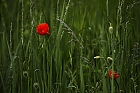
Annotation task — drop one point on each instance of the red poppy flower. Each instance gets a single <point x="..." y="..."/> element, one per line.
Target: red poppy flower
<point x="42" y="29"/>
<point x="116" y="75"/>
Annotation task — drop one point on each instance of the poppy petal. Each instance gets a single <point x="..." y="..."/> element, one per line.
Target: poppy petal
<point x="42" y="29"/>
<point x="116" y="75"/>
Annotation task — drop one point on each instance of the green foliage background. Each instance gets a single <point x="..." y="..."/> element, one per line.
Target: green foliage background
<point x="65" y="61"/>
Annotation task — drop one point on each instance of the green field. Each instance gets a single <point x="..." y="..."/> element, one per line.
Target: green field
<point x="87" y="39"/>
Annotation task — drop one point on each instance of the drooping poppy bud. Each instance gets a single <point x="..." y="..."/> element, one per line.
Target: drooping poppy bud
<point x="116" y="75"/>
<point x="42" y="29"/>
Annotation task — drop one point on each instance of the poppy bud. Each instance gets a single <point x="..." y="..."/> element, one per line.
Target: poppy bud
<point x="109" y="58"/>
<point x="42" y="29"/>
<point x="25" y="74"/>
<point x="36" y="85"/>
<point x="110" y="29"/>
<point x="97" y="57"/>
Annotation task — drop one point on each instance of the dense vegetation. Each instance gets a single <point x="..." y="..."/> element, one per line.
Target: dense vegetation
<point x="87" y="38"/>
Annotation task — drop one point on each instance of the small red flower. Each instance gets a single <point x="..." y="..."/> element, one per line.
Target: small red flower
<point x="116" y="75"/>
<point x="42" y="29"/>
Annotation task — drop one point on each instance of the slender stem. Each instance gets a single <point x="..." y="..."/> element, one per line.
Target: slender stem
<point x="117" y="84"/>
<point x="112" y="81"/>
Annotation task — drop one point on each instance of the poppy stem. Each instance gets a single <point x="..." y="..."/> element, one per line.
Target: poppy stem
<point x="117" y="84"/>
<point x="113" y="56"/>
<point x="110" y="85"/>
<point x="44" y="15"/>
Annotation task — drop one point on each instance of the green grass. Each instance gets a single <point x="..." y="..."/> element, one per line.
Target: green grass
<point x="64" y="61"/>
